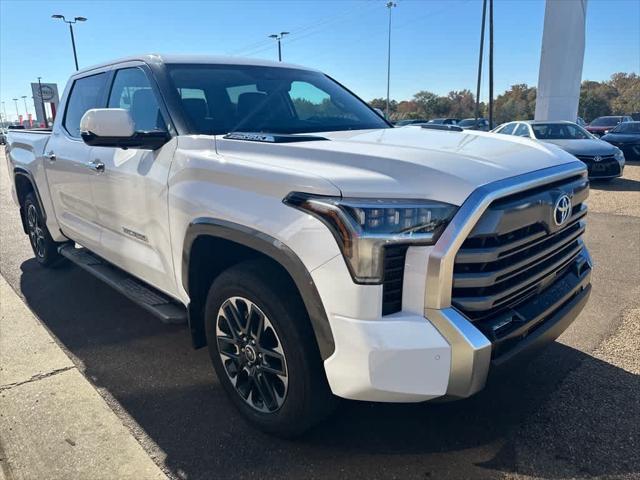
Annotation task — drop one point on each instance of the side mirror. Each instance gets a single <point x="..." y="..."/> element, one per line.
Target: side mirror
<point x="114" y="127"/>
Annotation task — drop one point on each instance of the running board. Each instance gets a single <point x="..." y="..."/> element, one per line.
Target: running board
<point x="156" y="302"/>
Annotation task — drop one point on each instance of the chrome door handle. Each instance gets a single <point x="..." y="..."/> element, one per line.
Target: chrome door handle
<point x="96" y="166"/>
<point x="51" y="156"/>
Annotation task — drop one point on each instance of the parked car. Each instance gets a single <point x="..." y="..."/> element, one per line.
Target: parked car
<point x="602" y="125"/>
<point x="626" y="136"/>
<point x="3" y="136"/>
<point x="410" y="121"/>
<point x="444" y="121"/>
<point x="314" y="249"/>
<point x="603" y="160"/>
<point x="481" y="124"/>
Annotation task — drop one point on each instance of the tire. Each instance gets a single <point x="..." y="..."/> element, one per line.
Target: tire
<point x="43" y="246"/>
<point x="263" y="300"/>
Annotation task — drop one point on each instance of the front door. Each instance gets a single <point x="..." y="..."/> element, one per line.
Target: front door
<point x="130" y="193"/>
<point x="67" y="165"/>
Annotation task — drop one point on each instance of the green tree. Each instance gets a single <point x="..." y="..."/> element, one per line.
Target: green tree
<point x="627" y="97"/>
<point x="517" y="103"/>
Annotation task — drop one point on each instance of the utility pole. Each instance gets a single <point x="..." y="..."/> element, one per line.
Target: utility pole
<point x="279" y="37"/>
<point x="73" y="40"/>
<point x="491" y="64"/>
<point x="389" y="5"/>
<point x="484" y="14"/>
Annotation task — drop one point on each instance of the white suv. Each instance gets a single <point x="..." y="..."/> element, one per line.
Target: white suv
<point x="316" y="250"/>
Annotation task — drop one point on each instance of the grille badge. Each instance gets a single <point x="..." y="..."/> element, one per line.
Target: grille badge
<point x="562" y="210"/>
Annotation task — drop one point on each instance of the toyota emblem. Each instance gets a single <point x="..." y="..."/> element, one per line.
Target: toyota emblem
<point x="597" y="158"/>
<point x="562" y="210"/>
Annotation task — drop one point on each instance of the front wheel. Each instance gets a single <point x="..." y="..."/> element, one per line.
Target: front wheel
<point x="263" y="349"/>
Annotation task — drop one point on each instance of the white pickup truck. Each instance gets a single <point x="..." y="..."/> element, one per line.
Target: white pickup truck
<point x="316" y="250"/>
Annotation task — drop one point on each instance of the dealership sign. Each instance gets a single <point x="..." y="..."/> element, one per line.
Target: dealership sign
<point x="49" y="95"/>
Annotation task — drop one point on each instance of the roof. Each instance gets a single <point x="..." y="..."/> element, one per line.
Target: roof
<point x="200" y="59"/>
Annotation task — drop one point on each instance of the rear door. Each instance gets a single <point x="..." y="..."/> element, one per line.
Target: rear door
<point x="67" y="163"/>
<point x="131" y="193"/>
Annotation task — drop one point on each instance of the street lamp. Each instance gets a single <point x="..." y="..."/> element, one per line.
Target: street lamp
<point x="278" y="37"/>
<point x="26" y="109"/>
<point x="389" y="5"/>
<point x="17" y="112"/>
<point x="73" y="41"/>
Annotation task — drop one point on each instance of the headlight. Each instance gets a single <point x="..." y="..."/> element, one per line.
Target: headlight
<point x="363" y="227"/>
<point x="619" y="156"/>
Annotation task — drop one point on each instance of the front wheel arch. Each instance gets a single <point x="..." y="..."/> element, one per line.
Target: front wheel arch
<point x="200" y="266"/>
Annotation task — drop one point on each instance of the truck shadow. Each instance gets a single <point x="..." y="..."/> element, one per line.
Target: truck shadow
<point x="171" y="392"/>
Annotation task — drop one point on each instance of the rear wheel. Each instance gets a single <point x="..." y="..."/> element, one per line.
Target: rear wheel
<point x="263" y="349"/>
<point x="43" y="246"/>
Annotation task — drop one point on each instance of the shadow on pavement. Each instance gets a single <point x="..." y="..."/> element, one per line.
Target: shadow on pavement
<point x="171" y="392"/>
<point x="620" y="184"/>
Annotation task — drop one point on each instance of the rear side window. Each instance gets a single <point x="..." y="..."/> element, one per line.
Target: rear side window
<point x="507" y="129"/>
<point x="522" y="131"/>
<point x="86" y="93"/>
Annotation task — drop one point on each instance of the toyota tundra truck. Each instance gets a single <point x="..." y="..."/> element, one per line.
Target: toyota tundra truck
<point x="315" y="250"/>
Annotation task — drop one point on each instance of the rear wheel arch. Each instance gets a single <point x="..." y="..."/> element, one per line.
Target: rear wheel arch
<point x="237" y="243"/>
<point x="25" y="184"/>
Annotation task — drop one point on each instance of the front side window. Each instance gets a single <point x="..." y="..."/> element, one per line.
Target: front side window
<point x="132" y="91"/>
<point x="627" y="127"/>
<point x="522" y="130"/>
<point x="251" y="98"/>
<point x="86" y="93"/>
<point x="559" y="131"/>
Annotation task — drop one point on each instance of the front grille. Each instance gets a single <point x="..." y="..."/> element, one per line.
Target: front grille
<point x="394" y="258"/>
<point x="515" y="250"/>
<point x="607" y="165"/>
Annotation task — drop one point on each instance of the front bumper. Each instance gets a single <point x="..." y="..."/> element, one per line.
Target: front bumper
<point x="430" y="349"/>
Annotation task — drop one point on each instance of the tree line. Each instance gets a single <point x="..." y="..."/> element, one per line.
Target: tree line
<point x="620" y="95"/>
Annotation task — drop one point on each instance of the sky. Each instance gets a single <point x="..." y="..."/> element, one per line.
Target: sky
<point x="434" y="42"/>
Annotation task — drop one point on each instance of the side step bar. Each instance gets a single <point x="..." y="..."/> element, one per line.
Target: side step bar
<point x="156" y="302"/>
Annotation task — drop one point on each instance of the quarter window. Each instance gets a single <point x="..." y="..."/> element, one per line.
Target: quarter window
<point x="86" y="93"/>
<point x="132" y="91"/>
<point x="522" y="131"/>
<point x="508" y="129"/>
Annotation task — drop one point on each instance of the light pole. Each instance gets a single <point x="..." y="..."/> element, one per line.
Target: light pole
<point x="278" y="37"/>
<point x="389" y="5"/>
<point x="26" y="109"/>
<point x="4" y="110"/>
<point x="44" y="110"/>
<point x="17" y="112"/>
<point x="484" y="14"/>
<point x="73" y="41"/>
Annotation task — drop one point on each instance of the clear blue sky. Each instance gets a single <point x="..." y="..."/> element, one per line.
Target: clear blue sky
<point x="435" y="42"/>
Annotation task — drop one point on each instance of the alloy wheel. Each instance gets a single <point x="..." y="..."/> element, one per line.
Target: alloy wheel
<point x="36" y="233"/>
<point x="251" y="354"/>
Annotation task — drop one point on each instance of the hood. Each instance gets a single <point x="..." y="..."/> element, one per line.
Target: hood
<point x="584" y="147"/>
<point x="407" y="162"/>
<point x="622" y="138"/>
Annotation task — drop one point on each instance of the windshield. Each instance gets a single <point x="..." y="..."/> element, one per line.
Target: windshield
<point x="627" y="127"/>
<point x="219" y="99"/>
<point x="605" y="121"/>
<point x="559" y="131"/>
<point x="468" y="122"/>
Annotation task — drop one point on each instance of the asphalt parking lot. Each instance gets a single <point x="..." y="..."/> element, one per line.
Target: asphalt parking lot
<point x="572" y="412"/>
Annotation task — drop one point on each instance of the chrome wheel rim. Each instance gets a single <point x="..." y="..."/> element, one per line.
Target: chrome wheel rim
<point x="36" y="233"/>
<point x="251" y="354"/>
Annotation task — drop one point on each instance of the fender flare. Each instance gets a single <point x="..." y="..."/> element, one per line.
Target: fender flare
<point x="272" y="248"/>
<point x="18" y="171"/>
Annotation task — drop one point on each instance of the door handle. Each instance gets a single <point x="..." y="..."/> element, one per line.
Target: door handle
<point x="51" y="156"/>
<point x="96" y="166"/>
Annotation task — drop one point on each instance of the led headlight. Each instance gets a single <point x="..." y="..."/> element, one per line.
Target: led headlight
<point x="363" y="226"/>
<point x="619" y="156"/>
